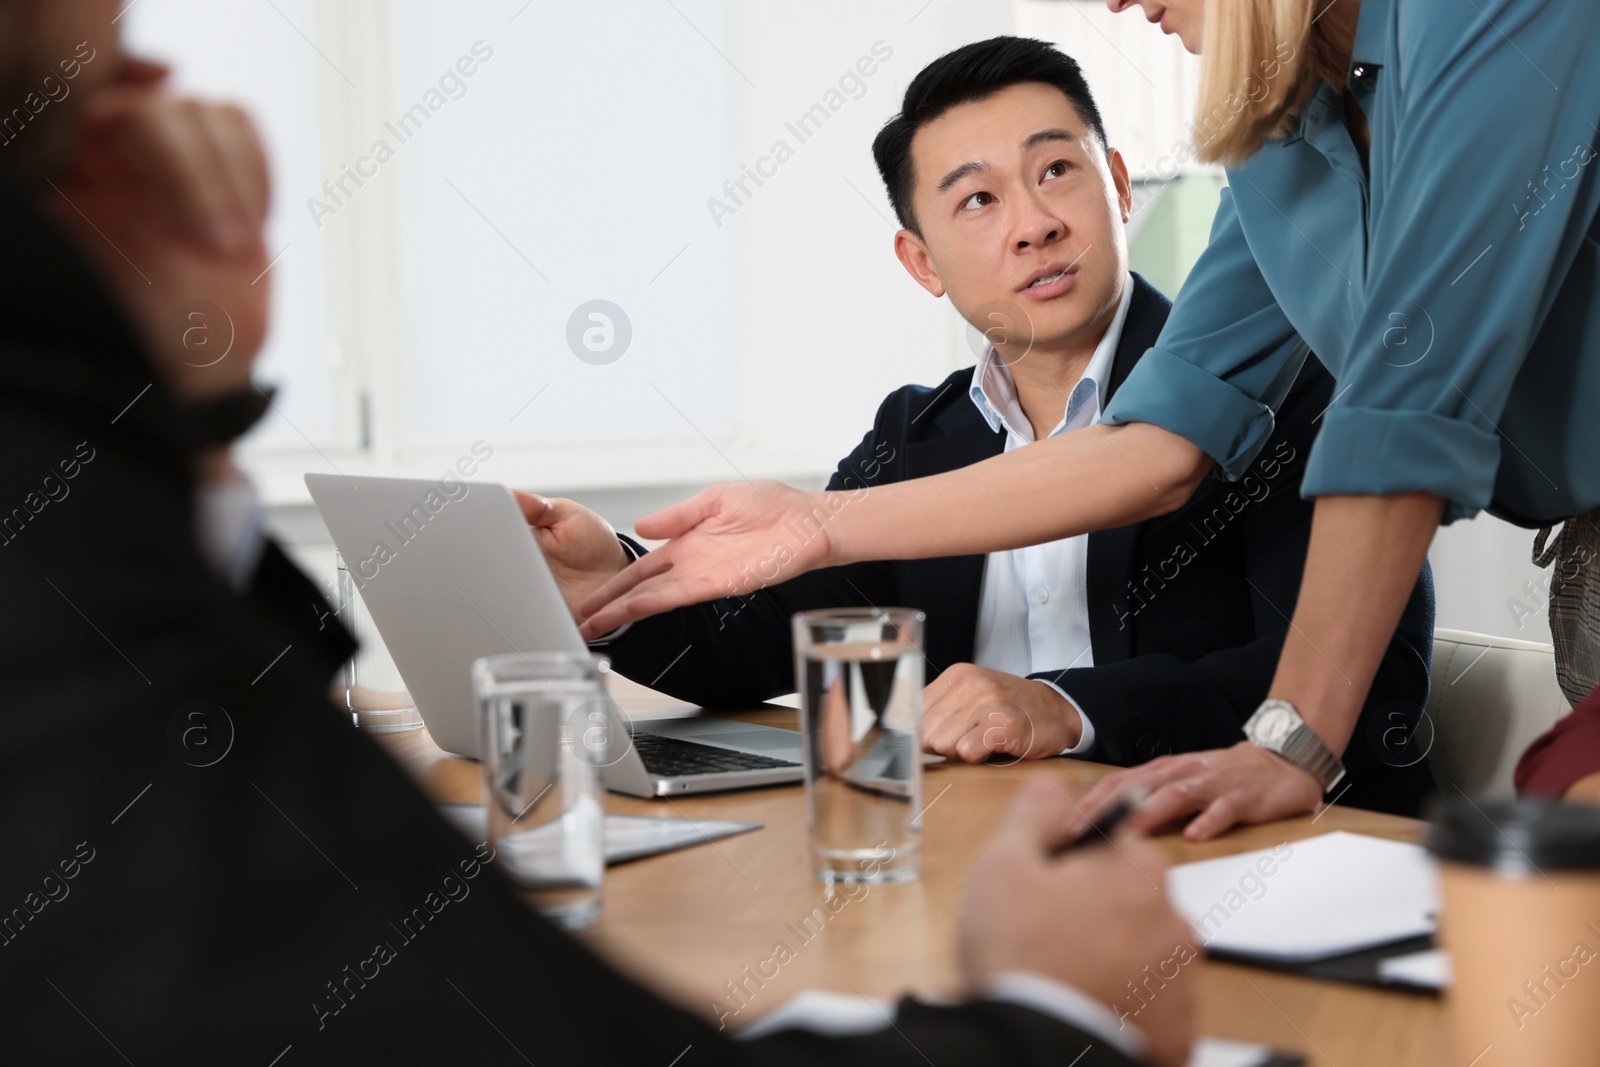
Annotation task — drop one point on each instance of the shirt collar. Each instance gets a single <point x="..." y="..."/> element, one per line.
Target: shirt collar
<point x="1373" y="19"/>
<point x="1366" y="54"/>
<point x="994" y="390"/>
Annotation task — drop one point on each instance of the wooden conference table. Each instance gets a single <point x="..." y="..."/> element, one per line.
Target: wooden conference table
<point x="687" y="922"/>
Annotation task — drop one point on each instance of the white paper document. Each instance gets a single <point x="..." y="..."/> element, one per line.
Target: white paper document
<point x="627" y="837"/>
<point x="1308" y="900"/>
<point x="1424" y="970"/>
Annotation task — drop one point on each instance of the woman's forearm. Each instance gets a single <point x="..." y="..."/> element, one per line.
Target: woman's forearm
<point x="1364" y="558"/>
<point x="1095" y="478"/>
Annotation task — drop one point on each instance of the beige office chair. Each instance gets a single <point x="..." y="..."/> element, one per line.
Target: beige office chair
<point x="1491" y="696"/>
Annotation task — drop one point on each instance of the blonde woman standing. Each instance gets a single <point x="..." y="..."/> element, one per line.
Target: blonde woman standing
<point x="1410" y="196"/>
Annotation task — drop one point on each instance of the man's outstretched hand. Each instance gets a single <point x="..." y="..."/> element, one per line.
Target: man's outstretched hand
<point x="580" y="546"/>
<point x="727" y="541"/>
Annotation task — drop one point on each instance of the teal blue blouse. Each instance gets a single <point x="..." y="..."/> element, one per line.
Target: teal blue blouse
<point x="1454" y="294"/>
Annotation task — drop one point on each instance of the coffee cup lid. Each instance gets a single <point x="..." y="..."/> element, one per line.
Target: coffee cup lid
<point x="1515" y="836"/>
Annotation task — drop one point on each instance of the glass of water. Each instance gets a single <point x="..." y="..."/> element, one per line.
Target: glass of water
<point x="544" y="737"/>
<point x="369" y="681"/>
<point x="859" y="672"/>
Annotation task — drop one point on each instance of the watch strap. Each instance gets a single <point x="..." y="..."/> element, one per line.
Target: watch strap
<point x="1305" y="750"/>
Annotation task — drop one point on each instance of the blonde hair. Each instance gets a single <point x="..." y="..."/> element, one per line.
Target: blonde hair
<point x="1260" y="61"/>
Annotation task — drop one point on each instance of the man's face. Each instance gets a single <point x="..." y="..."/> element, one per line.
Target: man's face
<point x="1021" y="207"/>
<point x="42" y="34"/>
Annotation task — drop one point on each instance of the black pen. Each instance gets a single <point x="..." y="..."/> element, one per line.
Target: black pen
<point x="1106" y="825"/>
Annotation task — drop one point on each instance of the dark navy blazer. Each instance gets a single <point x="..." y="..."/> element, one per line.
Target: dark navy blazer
<point x="1187" y="611"/>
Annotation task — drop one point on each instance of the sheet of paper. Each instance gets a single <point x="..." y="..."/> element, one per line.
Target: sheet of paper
<point x="631" y="837"/>
<point x="1425" y="970"/>
<point x="628" y="837"/>
<point x="1308" y="900"/>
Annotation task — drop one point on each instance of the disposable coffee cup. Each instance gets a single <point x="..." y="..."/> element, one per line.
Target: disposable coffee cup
<point x="1520" y="893"/>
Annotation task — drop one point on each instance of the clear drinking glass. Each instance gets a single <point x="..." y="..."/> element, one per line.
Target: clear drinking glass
<point x="859" y="672"/>
<point x="370" y="682"/>
<point x="544" y="732"/>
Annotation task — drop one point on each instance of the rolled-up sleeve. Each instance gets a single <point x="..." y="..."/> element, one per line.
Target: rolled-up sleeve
<point x="1225" y="359"/>
<point x="1490" y="199"/>
<point x="1464" y="342"/>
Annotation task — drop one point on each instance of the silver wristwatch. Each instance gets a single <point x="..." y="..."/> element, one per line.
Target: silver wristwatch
<point x="1277" y="727"/>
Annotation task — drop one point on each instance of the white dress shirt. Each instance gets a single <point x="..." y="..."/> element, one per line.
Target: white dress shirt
<point x="232" y="529"/>
<point x="1033" y="614"/>
<point x="839" y="1015"/>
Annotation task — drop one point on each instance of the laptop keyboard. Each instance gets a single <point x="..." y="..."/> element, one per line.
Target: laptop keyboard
<point x="670" y="757"/>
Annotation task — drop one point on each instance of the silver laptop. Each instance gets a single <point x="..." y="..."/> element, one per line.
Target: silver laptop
<point x="449" y="572"/>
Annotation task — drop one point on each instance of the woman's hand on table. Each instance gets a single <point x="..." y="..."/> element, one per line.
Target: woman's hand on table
<point x="1222" y="788"/>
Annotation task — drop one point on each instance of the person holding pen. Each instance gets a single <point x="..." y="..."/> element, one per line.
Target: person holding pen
<point x="1409" y="196"/>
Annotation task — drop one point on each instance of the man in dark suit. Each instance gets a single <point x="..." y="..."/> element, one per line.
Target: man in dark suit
<point x="1122" y="645"/>
<point x="203" y="863"/>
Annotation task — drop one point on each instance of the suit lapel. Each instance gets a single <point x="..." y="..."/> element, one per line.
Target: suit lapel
<point x="948" y="588"/>
<point x="1147" y="314"/>
<point x="1111" y="552"/>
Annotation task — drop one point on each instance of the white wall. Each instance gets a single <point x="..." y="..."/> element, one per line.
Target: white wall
<point x="1486" y="581"/>
<point x="1144" y="82"/>
<point x="826" y="321"/>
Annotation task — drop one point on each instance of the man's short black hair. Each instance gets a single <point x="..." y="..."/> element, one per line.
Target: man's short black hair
<point x="970" y="73"/>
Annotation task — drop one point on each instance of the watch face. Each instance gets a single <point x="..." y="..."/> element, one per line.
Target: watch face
<point x="1274" y="725"/>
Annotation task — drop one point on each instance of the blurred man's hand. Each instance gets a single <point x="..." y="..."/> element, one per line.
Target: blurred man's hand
<point x="972" y="713"/>
<point x="581" y="547"/>
<point x="1095" y="920"/>
<point x="169" y="195"/>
